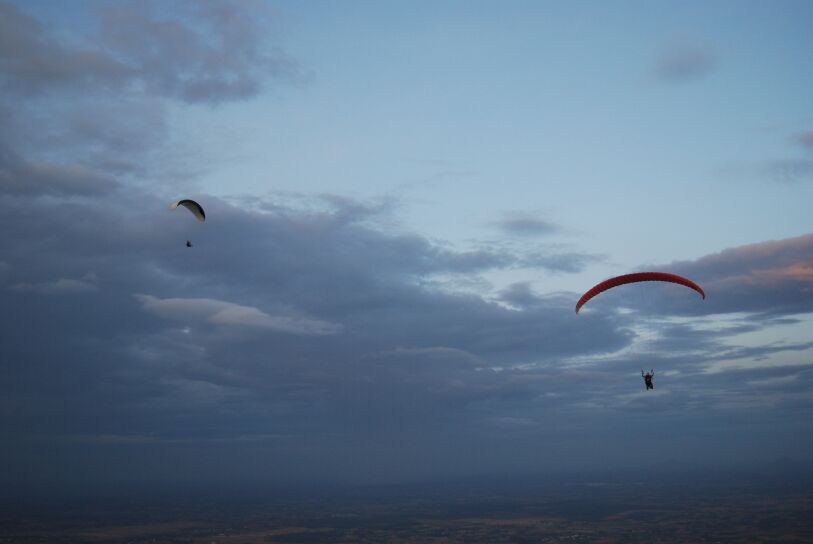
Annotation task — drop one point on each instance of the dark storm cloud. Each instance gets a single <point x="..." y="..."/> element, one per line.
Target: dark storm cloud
<point x="679" y="65"/>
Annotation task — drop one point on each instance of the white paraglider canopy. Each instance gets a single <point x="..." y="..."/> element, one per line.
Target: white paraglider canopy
<point x="192" y="206"/>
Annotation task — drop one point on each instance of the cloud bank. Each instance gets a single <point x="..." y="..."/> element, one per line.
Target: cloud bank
<point x="316" y="342"/>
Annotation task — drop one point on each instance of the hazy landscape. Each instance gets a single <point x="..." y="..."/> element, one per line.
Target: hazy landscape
<point x="773" y="504"/>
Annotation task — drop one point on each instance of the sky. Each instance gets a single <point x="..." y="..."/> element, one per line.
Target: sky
<point x="404" y="202"/>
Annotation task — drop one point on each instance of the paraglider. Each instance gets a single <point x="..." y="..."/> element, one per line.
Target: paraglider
<point x="634" y="278"/>
<point x="192" y="206"/>
<point x="648" y="378"/>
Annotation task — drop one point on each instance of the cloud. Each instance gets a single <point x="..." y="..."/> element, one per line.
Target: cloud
<point x="804" y="139"/>
<point x="430" y="356"/>
<point x="313" y="341"/>
<point x="561" y="261"/>
<point x="228" y="314"/>
<point x="31" y="61"/>
<point x="321" y="325"/>
<point x="358" y="324"/>
<point x="85" y="105"/>
<point x="799" y="272"/>
<point x="789" y="170"/>
<point x="62" y="286"/>
<point x="519" y="294"/>
<point x="772" y="277"/>
<point x="779" y="382"/>
<point x="21" y="177"/>
<point x="526" y="224"/>
<point x="684" y="64"/>
<point x="213" y="52"/>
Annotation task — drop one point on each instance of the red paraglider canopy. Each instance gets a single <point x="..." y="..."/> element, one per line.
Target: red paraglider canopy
<point x="636" y="277"/>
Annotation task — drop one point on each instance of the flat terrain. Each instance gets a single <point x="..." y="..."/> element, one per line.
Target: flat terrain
<point x="487" y="512"/>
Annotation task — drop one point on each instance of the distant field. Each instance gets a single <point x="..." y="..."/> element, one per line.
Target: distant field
<point x="533" y="512"/>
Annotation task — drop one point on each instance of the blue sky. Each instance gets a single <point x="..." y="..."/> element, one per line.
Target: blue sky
<point x="558" y="111"/>
<point x="404" y="202"/>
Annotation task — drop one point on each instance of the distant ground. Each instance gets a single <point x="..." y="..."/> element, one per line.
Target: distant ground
<point x="516" y="510"/>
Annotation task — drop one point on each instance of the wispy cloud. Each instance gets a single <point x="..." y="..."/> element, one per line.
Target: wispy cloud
<point x="804" y="139"/>
<point x="684" y="64"/>
<point x="789" y="170"/>
<point x="228" y="314"/>
<point x="525" y="224"/>
<point x="61" y="286"/>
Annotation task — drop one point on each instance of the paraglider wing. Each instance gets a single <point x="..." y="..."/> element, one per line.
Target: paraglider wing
<point x="192" y="206"/>
<point x="634" y="278"/>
